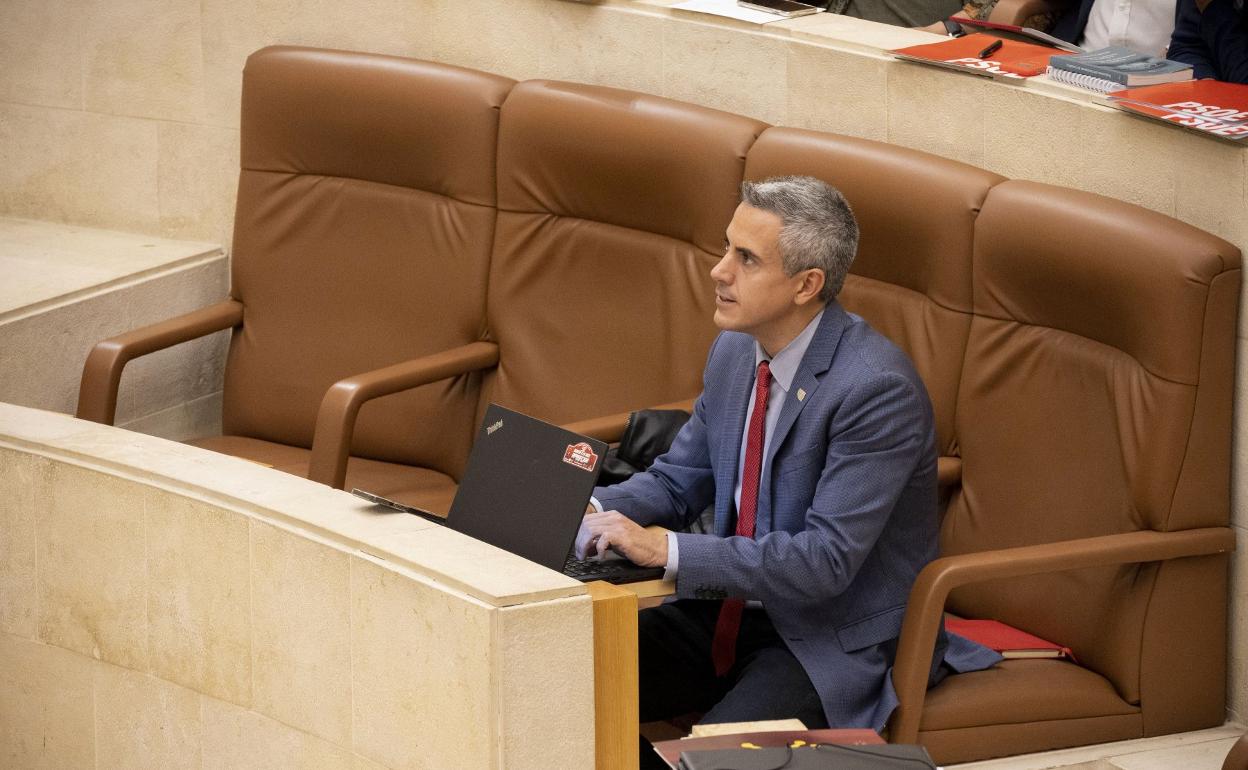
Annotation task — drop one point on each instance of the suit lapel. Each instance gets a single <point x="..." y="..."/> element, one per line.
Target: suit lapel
<point x="738" y="401"/>
<point x="817" y="360"/>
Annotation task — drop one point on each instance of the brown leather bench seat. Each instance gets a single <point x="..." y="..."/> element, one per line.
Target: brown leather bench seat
<point x="415" y="240"/>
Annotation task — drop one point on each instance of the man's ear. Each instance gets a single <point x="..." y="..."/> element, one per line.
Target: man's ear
<point x="812" y="281"/>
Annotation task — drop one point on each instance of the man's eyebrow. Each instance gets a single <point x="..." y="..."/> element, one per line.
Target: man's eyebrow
<point x="747" y="253"/>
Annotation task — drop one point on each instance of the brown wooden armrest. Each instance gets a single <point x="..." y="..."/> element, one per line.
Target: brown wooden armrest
<point x="335" y="421"/>
<point x="1017" y="11"/>
<point x="101" y="375"/>
<point x="611" y="427"/>
<point x="939" y="578"/>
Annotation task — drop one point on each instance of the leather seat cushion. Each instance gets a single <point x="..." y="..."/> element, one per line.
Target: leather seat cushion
<point x="421" y="487"/>
<point x="1016" y="691"/>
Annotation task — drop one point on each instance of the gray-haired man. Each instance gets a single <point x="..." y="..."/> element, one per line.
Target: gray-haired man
<point x="814" y="440"/>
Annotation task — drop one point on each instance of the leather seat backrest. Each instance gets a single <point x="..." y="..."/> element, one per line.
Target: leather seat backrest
<point x="362" y="239"/>
<point x="911" y="279"/>
<point x="1094" y="400"/>
<point x="612" y="208"/>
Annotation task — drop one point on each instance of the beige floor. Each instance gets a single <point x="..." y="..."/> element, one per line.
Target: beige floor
<point x="1201" y="750"/>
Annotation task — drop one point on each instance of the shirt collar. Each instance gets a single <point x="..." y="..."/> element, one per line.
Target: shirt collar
<point x="784" y="364"/>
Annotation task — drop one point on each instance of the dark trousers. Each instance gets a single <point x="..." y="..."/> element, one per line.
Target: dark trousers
<point x="677" y="676"/>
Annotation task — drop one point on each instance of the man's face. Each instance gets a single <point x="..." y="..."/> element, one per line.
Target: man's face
<point x="752" y="293"/>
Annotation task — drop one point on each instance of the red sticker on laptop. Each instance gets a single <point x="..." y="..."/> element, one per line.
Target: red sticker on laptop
<point x="581" y="455"/>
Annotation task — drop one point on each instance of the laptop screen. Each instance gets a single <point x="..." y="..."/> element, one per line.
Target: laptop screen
<point x="526" y="486"/>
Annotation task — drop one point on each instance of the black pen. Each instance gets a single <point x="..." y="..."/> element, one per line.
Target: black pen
<point x="990" y="49"/>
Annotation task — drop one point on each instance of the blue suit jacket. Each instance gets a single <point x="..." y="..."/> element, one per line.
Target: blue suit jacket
<point x="847" y="510"/>
<point x="1215" y="42"/>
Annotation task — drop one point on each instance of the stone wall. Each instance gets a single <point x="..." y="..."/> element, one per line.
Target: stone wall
<point x="163" y="607"/>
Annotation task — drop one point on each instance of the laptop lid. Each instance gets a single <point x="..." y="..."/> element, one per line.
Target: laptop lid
<point x="526" y="486"/>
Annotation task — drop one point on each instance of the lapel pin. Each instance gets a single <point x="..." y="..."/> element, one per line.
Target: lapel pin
<point x="801" y="394"/>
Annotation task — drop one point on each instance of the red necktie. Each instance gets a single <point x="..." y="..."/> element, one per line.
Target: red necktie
<point x="724" y="644"/>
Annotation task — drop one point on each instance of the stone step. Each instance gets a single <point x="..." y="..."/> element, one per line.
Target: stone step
<point x="64" y="288"/>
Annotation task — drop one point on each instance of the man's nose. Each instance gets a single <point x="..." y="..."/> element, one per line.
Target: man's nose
<point x="721" y="273"/>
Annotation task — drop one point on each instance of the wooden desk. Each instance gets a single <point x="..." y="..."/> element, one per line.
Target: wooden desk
<point x="615" y="669"/>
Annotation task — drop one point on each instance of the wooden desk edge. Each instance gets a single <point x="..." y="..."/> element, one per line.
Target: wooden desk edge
<point x="615" y="668"/>
<point x="615" y="676"/>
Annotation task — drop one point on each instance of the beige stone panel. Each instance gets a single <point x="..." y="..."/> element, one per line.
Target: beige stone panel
<point x="36" y="426"/>
<point x="45" y="263"/>
<point x="852" y="34"/>
<point x="142" y="722"/>
<point x="364" y="763"/>
<point x="92" y="576"/>
<point x="234" y="29"/>
<point x="301" y="622"/>
<point x="172" y="376"/>
<point x="1127" y="158"/>
<point x="199" y="602"/>
<point x="720" y="67"/>
<point x="46" y="705"/>
<point x="143" y="58"/>
<point x="238" y="739"/>
<point x="46" y="350"/>
<point x="79" y="167"/>
<point x="40" y="50"/>
<point x="421" y="673"/>
<point x="195" y="419"/>
<point x="938" y="111"/>
<point x="478" y="569"/>
<point x="1237" y="683"/>
<point x="1209" y="184"/>
<point x="24" y="486"/>
<point x="605" y="46"/>
<point x="832" y="90"/>
<point x="504" y="38"/>
<point x="546" y="663"/>
<point x="394" y="27"/>
<point x="198" y="181"/>
<point x="1027" y="136"/>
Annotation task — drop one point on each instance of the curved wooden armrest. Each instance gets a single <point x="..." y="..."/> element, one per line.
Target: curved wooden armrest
<point x="611" y="427"/>
<point x="101" y="374"/>
<point x="335" y="421"/>
<point x="1017" y="11"/>
<point x="931" y="590"/>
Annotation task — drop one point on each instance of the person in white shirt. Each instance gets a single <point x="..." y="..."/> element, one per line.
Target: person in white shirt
<point x="1141" y="25"/>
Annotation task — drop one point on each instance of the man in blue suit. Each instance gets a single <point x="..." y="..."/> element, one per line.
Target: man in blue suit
<point x="813" y="438"/>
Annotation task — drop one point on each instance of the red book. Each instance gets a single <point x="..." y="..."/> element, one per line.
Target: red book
<point x="1007" y="640"/>
<point x="1012" y="60"/>
<point x="1209" y="106"/>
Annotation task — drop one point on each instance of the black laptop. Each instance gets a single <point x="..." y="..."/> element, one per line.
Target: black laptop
<point x="525" y="490"/>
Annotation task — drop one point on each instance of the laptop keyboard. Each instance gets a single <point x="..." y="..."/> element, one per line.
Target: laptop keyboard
<point x="612" y="570"/>
<point x="578" y="568"/>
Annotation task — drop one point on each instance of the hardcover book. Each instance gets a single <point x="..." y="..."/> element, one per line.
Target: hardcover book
<point x="1109" y="69"/>
<point x="821" y="757"/>
<point x="1208" y="106"/>
<point x="1011" y="642"/>
<point x="1011" y="60"/>
<point x="670" y="751"/>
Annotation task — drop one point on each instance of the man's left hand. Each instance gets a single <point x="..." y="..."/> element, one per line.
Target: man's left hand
<point x="615" y="531"/>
